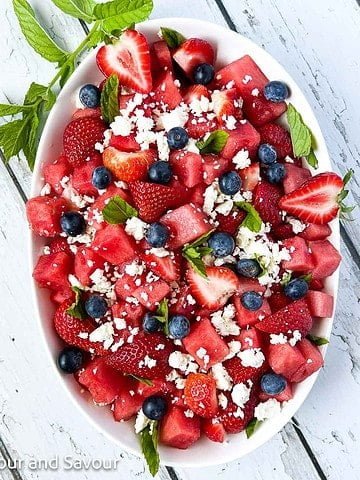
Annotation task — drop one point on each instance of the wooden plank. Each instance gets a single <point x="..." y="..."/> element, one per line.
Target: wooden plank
<point x="316" y="42"/>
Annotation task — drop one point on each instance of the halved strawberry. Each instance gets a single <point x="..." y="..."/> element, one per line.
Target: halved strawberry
<point x="226" y="104"/>
<point x="278" y="137"/>
<point x="195" y="92"/>
<point x="124" y="144"/>
<point x="214" y="430"/>
<point x="80" y="137"/>
<point x="168" y="268"/>
<point x="215" y="290"/>
<point x="295" y="316"/>
<point x="192" y="52"/>
<point x="200" y="394"/>
<point x="317" y="200"/>
<point x="230" y="223"/>
<point x="266" y="202"/>
<point x="128" y="166"/>
<point x="129" y="59"/>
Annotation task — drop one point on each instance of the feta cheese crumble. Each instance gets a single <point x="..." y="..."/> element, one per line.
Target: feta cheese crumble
<point x="267" y="409"/>
<point x="252" y="357"/>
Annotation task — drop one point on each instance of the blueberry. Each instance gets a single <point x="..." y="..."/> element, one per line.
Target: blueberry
<point x="179" y="326"/>
<point x="160" y="172"/>
<point x="276" y="91"/>
<point x="251" y="301"/>
<point x="71" y="359"/>
<point x="275" y="173"/>
<point x="96" y="306"/>
<point x="90" y="96"/>
<point x="72" y="223"/>
<point x="272" y="383"/>
<point x="157" y="235"/>
<point x="267" y="154"/>
<point x="151" y="324"/>
<point x="222" y="244"/>
<point x="154" y="407"/>
<point x="177" y="138"/>
<point x="296" y="288"/>
<point x="249" y="268"/>
<point x="101" y="178"/>
<point x="229" y="183"/>
<point x="203" y="73"/>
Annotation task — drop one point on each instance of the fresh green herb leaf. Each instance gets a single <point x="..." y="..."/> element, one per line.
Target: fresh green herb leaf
<point x="13" y="137"/>
<point x="312" y="159"/>
<point x="82" y="9"/>
<point x="261" y="262"/>
<point x="36" y="36"/>
<point x="252" y="426"/>
<point x="194" y="253"/>
<point x="199" y="241"/>
<point x="7" y="110"/>
<point x="286" y="278"/>
<point x="110" y="99"/>
<point x="118" y="211"/>
<point x="348" y="176"/>
<point x="118" y="14"/>
<point x="146" y="381"/>
<point x="149" y="443"/>
<point x="162" y="314"/>
<point x="317" y="340"/>
<point x="307" y="277"/>
<point x="300" y="133"/>
<point x="173" y="38"/>
<point x="215" y="142"/>
<point x="77" y="309"/>
<point x="252" y="221"/>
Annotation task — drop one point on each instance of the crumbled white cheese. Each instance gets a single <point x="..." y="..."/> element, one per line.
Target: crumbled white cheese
<point x="183" y="362"/>
<point x="103" y="334"/>
<point x="267" y="409"/>
<point x="279" y="339"/>
<point x="241" y="393"/>
<point x="159" y="252"/>
<point x="46" y="190"/>
<point x="136" y="228"/>
<point x="296" y="337"/>
<point x="252" y="357"/>
<point x="175" y="118"/>
<point x="297" y="225"/>
<point x="221" y="376"/>
<point x="121" y="126"/>
<point x="189" y="413"/>
<point x="223" y="401"/>
<point x="141" y="421"/>
<point x="223" y="321"/>
<point x="241" y="159"/>
<point x="134" y="268"/>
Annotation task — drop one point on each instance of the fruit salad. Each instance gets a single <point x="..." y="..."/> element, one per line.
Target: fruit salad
<point x="186" y="242"/>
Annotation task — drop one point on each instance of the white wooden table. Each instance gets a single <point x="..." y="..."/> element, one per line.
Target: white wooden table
<point x="318" y="42"/>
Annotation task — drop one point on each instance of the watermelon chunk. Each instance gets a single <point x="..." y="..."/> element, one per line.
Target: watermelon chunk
<point x="320" y="304"/>
<point x="250" y="284"/>
<point x="313" y="360"/>
<point x="284" y="396"/>
<point x="107" y="241"/>
<point x="127" y="284"/>
<point x="301" y="258"/>
<point x="214" y="431"/>
<point x="55" y="172"/>
<point x="161" y="60"/>
<point x="128" y="401"/>
<point x="186" y="224"/>
<point x="150" y="294"/>
<point x="204" y="335"/>
<point x="213" y="167"/>
<point x="133" y="314"/>
<point x="168" y="268"/>
<point x="166" y="91"/>
<point x="52" y="271"/>
<point x="85" y="264"/>
<point x="197" y="195"/>
<point x="326" y="258"/>
<point x="82" y="175"/>
<point x="294" y="177"/>
<point x="245" y="317"/>
<point x="188" y="167"/>
<point x="316" y="232"/>
<point x="43" y="214"/>
<point x="285" y="359"/>
<point x="97" y="207"/>
<point x="250" y="338"/>
<point x="243" y="137"/>
<point x="179" y="431"/>
<point x="250" y="176"/>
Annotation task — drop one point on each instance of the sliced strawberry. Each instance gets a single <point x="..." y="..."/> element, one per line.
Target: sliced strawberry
<point x="43" y="214"/>
<point x="129" y="59"/>
<point x="200" y="394"/>
<point x="250" y="176"/>
<point x="278" y="137"/>
<point x="168" y="268"/>
<point x="128" y="166"/>
<point x="227" y="104"/>
<point x="192" y="52"/>
<point x="124" y="144"/>
<point x="266" y="202"/>
<point x="132" y="358"/>
<point x="295" y="316"/>
<point x="230" y="223"/>
<point x="215" y="290"/>
<point x="195" y="92"/>
<point x="316" y="201"/>
<point x="80" y="137"/>
<point x="241" y="374"/>
<point x="214" y="430"/>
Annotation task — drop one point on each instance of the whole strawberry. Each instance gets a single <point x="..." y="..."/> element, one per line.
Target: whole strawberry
<point x="80" y="137"/>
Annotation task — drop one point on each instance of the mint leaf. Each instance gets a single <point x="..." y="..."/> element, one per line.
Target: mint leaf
<point x="13" y="137"/>
<point x="146" y="381"/>
<point x="77" y="309"/>
<point x="317" y="340"/>
<point x="6" y="110"/>
<point x="149" y="442"/>
<point x="194" y="253"/>
<point x="118" y="211"/>
<point x="110" y="99"/>
<point x="307" y="277"/>
<point x="82" y="9"/>
<point x="300" y="133"/>
<point x="36" y="36"/>
<point x="252" y="221"/>
<point x="286" y="278"/>
<point x="214" y="143"/>
<point x="252" y="426"/>
<point x="173" y="38"/>
<point x="118" y="14"/>
<point x="162" y="314"/>
<point x="312" y="159"/>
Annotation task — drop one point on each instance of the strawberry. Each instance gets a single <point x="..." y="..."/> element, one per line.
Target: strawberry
<point x="241" y="374"/>
<point x="69" y="328"/>
<point x="230" y="223"/>
<point x="295" y="316"/>
<point x="124" y="144"/>
<point x="214" y="430"/>
<point x="200" y="394"/>
<point x="168" y="268"/>
<point x="234" y="422"/>
<point x="192" y="52"/>
<point x="213" y="291"/>
<point x="153" y="199"/>
<point x="86" y="112"/>
<point x="195" y="92"/>
<point x="132" y="357"/>
<point x="129" y="59"/>
<point x="128" y="166"/>
<point x="317" y="200"/>
<point x="282" y="231"/>
<point x="250" y="176"/>
<point x="278" y="137"/>
<point x="226" y="104"/>
<point x="43" y="214"/>
<point x="266" y="202"/>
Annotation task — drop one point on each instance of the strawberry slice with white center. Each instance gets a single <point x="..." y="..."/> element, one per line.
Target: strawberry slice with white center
<point x="227" y="103"/>
<point x="129" y="59"/>
<point x="195" y="92"/>
<point x="128" y="166"/>
<point x="193" y="52"/>
<point x="317" y="200"/>
<point x="213" y="291"/>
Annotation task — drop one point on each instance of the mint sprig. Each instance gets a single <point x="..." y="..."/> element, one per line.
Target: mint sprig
<point x="173" y="38"/>
<point x="252" y="221"/>
<point x="108" y="21"/>
<point x="317" y="340"/>
<point x="117" y="210"/>
<point x="215" y="142"/>
<point x="109" y="99"/>
<point x="162" y="314"/>
<point x="77" y="309"/>
<point x="194" y="253"/>
<point x="252" y="427"/>
<point x="149" y="442"/>
<point x="301" y="137"/>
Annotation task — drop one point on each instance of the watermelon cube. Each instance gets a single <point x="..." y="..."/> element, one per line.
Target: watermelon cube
<point x="133" y="314"/>
<point x="301" y="258"/>
<point x="188" y="168"/>
<point x="285" y="359"/>
<point x="284" y="396"/>
<point x="168" y="267"/>
<point x="213" y="167"/>
<point x="114" y="245"/>
<point x="179" y="431"/>
<point x="158" y="387"/>
<point x="313" y="360"/>
<point x="161" y="60"/>
<point x="250" y="176"/>
<point x="197" y="195"/>
<point x="316" y="232"/>
<point x="166" y="91"/>
<point x="44" y="213"/>
<point x="245" y="317"/>
<point x="55" y="172"/>
<point x="128" y="401"/>
<point x="249" y="285"/>
<point x="52" y="271"/>
<point x="294" y="177"/>
<point x="244" y="137"/>
<point x="203" y="335"/>
<point x="124" y="144"/>
<point x="250" y="338"/>
<point x="250" y="81"/>
<point x="186" y="224"/>
<point x="214" y="431"/>
<point x="127" y="284"/>
<point x="326" y="258"/>
<point x="82" y="176"/>
<point x="97" y="207"/>
<point x="150" y="294"/>
<point x="197" y="127"/>
<point x="85" y="263"/>
<point x="320" y="304"/>
<point x="103" y="382"/>
<point x="62" y="294"/>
